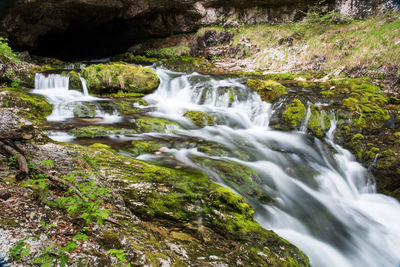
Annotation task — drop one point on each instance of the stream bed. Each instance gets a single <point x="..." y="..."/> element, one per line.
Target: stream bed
<point x="310" y="191"/>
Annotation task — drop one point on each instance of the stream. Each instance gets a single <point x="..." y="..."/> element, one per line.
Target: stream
<point x="322" y="200"/>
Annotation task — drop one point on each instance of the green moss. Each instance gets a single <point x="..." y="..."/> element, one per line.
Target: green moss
<point x="139" y="147"/>
<point x="294" y="113"/>
<point x="269" y="90"/>
<point x="282" y="76"/>
<point x="365" y="100"/>
<point x="371" y="154"/>
<point x="128" y="106"/>
<point x="201" y="119"/>
<point x="386" y="159"/>
<point x="237" y="176"/>
<point x="149" y="124"/>
<point x="115" y="77"/>
<point x="122" y="94"/>
<point x="100" y="131"/>
<point x="74" y="81"/>
<point x="357" y="137"/>
<point x="8" y="222"/>
<point x="31" y="107"/>
<point x="100" y="146"/>
<point x="110" y="240"/>
<point x="319" y="121"/>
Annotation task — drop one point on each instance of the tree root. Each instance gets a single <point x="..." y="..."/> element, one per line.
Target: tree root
<point x="22" y="162"/>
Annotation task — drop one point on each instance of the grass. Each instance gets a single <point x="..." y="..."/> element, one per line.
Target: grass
<point x="334" y="40"/>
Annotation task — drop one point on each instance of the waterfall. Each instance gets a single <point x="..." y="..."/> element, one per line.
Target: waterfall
<point x="84" y="85"/>
<point x="324" y="201"/>
<point x="66" y="102"/>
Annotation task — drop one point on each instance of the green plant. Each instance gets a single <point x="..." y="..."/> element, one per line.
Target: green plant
<point x="54" y="253"/>
<point x="12" y="161"/>
<point x="120" y="254"/>
<point x="88" y="204"/>
<point x="46" y="226"/>
<point x="47" y="162"/>
<point x="6" y="53"/>
<point x="20" y="250"/>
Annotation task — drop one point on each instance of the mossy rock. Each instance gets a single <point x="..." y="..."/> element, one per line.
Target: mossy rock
<point x="201" y="119"/>
<point x="100" y="131"/>
<point x="74" y="81"/>
<point x="139" y="147"/>
<point x="362" y="98"/>
<point x="269" y="90"/>
<point x="128" y="106"/>
<point x="240" y="178"/>
<point x="294" y="113"/>
<point x="84" y="110"/>
<point x="178" y="198"/>
<point x="149" y="124"/>
<point x="31" y="107"/>
<point x="110" y="78"/>
<point x="319" y="121"/>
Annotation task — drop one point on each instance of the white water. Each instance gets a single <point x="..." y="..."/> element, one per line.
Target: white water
<point x="55" y="88"/>
<point x="326" y="202"/>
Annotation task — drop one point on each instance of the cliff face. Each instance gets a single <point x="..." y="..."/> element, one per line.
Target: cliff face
<point x="364" y="8"/>
<point x="94" y="28"/>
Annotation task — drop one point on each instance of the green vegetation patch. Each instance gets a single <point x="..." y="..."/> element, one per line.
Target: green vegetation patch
<point x="269" y="90"/>
<point x="201" y="119"/>
<point x="294" y="113"/>
<point x="149" y="124"/>
<point x="364" y="100"/>
<point x="100" y="131"/>
<point x="319" y="121"/>
<point x="139" y="147"/>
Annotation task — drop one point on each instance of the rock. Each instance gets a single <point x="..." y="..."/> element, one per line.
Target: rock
<point x="113" y="77"/>
<point x="269" y="90"/>
<point x="201" y="119"/>
<point x="286" y="41"/>
<point x="4" y="195"/>
<point x="231" y="24"/>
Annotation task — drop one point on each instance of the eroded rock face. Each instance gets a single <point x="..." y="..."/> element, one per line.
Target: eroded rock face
<point x="364" y="8"/>
<point x="94" y="28"/>
<point x="89" y="28"/>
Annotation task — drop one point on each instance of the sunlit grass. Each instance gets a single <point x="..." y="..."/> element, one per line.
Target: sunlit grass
<point x="374" y="42"/>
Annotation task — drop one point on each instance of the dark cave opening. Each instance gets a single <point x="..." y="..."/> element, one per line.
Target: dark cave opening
<point x="82" y="42"/>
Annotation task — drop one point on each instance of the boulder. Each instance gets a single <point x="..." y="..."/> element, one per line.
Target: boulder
<point x="114" y="77"/>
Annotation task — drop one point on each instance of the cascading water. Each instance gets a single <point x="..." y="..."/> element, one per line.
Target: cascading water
<point x="323" y="200"/>
<point x="65" y="100"/>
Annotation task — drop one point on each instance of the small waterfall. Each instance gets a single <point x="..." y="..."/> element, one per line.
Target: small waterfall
<point x="66" y="101"/>
<point x="304" y="126"/>
<point x="84" y="85"/>
<point x="50" y="81"/>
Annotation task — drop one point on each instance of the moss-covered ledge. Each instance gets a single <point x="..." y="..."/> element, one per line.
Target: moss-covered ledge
<point x="209" y="223"/>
